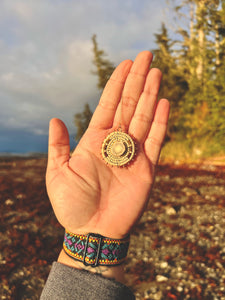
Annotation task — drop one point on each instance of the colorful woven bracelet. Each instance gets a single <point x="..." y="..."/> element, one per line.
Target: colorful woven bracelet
<point x="94" y="249"/>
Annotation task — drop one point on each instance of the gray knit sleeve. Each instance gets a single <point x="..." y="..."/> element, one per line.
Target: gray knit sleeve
<point x="65" y="283"/>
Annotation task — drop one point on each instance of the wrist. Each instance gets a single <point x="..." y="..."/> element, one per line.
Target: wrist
<point x="112" y="272"/>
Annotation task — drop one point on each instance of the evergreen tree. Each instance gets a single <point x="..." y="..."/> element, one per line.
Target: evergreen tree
<point x="173" y="85"/>
<point x="104" y="67"/>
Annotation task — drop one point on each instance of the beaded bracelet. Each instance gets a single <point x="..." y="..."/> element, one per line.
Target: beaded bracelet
<point x="94" y="249"/>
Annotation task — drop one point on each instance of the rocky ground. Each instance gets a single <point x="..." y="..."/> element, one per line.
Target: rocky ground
<point x="177" y="250"/>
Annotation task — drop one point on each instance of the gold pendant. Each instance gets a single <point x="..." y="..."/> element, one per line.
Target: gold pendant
<point x="118" y="148"/>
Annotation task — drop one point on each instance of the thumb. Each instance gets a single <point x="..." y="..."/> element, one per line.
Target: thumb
<point x="58" y="145"/>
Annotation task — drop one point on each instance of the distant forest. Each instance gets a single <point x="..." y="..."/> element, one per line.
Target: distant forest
<point x="193" y="66"/>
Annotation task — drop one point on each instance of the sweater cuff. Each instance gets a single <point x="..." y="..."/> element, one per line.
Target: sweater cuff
<point x="65" y="282"/>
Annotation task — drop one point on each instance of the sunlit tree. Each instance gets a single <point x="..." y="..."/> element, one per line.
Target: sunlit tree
<point x="103" y="66"/>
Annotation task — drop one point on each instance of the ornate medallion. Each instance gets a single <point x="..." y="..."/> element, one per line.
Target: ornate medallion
<point x="118" y="149"/>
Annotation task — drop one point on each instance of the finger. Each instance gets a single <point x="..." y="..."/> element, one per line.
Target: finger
<point x="58" y="147"/>
<point x="157" y="132"/>
<point x="133" y="88"/>
<point x="105" y="111"/>
<point x="144" y="113"/>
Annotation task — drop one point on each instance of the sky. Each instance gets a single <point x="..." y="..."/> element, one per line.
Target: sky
<point x="46" y="59"/>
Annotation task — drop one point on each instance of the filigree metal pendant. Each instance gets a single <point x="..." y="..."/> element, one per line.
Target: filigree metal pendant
<point x="118" y="149"/>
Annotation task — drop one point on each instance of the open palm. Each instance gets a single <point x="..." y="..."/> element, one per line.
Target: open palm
<point x="88" y="195"/>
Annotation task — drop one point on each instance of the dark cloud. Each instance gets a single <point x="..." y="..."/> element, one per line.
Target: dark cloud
<point x="46" y="58"/>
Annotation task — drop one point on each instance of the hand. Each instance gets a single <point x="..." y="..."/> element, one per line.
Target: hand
<point x="88" y="195"/>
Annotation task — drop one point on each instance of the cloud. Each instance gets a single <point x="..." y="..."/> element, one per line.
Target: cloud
<point x="46" y="54"/>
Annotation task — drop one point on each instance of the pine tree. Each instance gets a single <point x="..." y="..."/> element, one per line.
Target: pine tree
<point x="174" y="85"/>
<point x="104" y="67"/>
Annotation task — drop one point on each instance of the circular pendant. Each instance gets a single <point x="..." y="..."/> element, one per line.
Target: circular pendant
<point x="118" y="148"/>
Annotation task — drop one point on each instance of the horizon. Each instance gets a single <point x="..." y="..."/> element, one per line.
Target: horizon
<point x="28" y="144"/>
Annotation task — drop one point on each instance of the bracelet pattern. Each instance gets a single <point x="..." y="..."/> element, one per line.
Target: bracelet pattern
<point x="94" y="249"/>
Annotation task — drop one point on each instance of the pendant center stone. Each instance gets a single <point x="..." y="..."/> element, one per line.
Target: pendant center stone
<point x="118" y="149"/>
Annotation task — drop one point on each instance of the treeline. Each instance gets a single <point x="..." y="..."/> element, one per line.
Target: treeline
<point x="192" y="60"/>
<point x="194" y="74"/>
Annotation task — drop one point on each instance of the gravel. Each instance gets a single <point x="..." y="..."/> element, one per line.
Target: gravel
<point x="177" y="250"/>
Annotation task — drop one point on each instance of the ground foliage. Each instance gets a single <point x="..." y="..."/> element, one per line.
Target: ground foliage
<point x="177" y="250"/>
